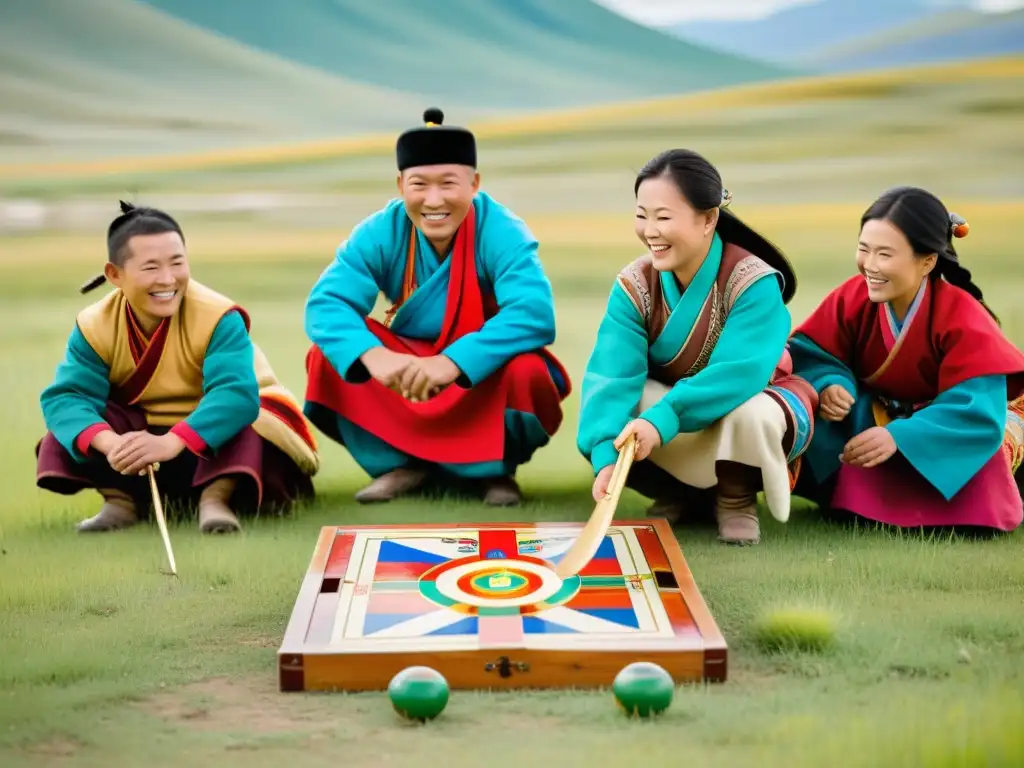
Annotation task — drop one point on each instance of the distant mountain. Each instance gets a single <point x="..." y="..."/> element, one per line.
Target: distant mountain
<point x="803" y="31"/>
<point x="949" y="36"/>
<point x="503" y="54"/>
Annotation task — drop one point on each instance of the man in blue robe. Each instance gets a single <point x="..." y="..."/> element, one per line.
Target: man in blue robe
<point x="457" y="382"/>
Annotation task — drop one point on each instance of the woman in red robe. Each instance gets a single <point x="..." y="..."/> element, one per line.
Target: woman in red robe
<point x="921" y="394"/>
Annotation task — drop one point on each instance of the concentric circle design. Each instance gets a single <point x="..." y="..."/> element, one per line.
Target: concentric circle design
<point x="498" y="584"/>
<point x="472" y="585"/>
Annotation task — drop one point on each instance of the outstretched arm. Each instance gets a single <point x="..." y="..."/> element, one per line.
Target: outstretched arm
<point x="613" y="383"/>
<point x="740" y="366"/>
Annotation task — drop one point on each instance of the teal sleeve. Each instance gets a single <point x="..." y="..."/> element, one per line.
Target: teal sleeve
<point x="525" y="321"/>
<point x="77" y="398"/>
<point x="741" y="365"/>
<point x="613" y="382"/>
<point x="344" y="296"/>
<point x="819" y="368"/>
<point x="231" y="398"/>
<point x="950" y="439"/>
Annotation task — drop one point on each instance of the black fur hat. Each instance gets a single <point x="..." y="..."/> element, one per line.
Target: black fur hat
<point x="435" y="143"/>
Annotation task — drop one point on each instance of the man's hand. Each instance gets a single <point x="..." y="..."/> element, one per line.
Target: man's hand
<point x="870" y="448"/>
<point x="106" y="441"/>
<point x="386" y="366"/>
<point x="601" y="482"/>
<point x="140" y="450"/>
<point x="426" y="376"/>
<point x="835" y="403"/>
<point x="646" y="436"/>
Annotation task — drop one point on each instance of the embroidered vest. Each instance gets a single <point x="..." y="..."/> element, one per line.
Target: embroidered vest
<point x="738" y="270"/>
<point x="176" y="385"/>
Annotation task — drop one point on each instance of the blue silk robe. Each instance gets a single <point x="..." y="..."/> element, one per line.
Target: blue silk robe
<point x="372" y="261"/>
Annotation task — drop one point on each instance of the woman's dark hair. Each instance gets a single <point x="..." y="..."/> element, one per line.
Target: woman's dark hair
<point x="930" y="228"/>
<point x="132" y="221"/>
<point x="700" y="183"/>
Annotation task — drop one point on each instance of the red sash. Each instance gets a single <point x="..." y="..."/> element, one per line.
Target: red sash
<point x="458" y="425"/>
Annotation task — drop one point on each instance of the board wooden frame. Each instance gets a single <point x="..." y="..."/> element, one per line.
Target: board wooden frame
<point x="304" y="666"/>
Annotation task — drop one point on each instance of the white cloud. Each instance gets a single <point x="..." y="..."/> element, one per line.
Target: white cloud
<point x="662" y="12"/>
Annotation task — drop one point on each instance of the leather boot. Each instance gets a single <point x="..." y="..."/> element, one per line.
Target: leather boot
<point x="391" y="485"/>
<point x="118" y="511"/>
<point x="215" y="516"/>
<point x="736" y="505"/>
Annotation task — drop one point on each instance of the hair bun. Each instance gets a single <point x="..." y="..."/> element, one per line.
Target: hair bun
<point x="958" y="225"/>
<point x="433" y="116"/>
<point x="126" y="207"/>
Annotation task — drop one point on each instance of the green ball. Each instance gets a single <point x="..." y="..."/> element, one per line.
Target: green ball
<point x="802" y="629"/>
<point x="418" y="693"/>
<point x="643" y="689"/>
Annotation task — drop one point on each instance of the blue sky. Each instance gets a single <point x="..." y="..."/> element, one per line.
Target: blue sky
<point x="659" y="12"/>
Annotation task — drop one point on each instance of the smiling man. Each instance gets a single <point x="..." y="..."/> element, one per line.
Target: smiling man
<point x="457" y="382"/>
<point x="162" y="371"/>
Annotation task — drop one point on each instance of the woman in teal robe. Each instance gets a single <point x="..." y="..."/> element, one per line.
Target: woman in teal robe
<point x="690" y="359"/>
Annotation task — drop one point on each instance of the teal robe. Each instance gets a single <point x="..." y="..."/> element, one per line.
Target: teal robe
<point x="77" y="398"/>
<point x="372" y="261"/>
<point x="741" y="365"/>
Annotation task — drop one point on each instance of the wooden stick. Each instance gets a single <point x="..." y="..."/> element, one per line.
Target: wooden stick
<point x="161" y="521"/>
<point x="586" y="546"/>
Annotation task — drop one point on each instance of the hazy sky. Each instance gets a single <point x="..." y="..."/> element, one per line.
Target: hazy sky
<point x="667" y="11"/>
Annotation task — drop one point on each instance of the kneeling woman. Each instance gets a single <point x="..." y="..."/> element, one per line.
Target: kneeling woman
<point x="921" y="393"/>
<point x="690" y="358"/>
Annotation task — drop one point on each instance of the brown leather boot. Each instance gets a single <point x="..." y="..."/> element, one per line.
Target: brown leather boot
<point x="215" y="516"/>
<point x="391" y="485"/>
<point x="118" y="511"/>
<point x="736" y="505"/>
<point x="502" y="492"/>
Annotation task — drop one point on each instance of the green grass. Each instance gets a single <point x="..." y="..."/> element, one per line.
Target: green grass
<point x="104" y="658"/>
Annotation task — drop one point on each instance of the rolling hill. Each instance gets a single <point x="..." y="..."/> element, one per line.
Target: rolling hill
<point x="125" y="77"/>
<point x="115" y="76"/>
<point x="505" y="54"/>
<point x="957" y="35"/>
<point x="803" y="31"/>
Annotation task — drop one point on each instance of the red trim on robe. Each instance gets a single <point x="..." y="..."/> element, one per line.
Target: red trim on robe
<point x="84" y="440"/>
<point x="951" y="339"/>
<point x="191" y="439"/>
<point x="458" y="425"/>
<point x="145" y="366"/>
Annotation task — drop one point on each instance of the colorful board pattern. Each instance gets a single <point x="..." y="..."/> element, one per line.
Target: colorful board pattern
<point x="484" y="605"/>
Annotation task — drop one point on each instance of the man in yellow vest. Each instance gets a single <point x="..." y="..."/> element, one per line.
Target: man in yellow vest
<point x="162" y="372"/>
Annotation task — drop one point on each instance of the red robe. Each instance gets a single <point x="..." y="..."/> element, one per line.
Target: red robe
<point x="948" y="338"/>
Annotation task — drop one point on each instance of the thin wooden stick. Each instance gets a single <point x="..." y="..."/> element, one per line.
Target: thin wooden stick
<point x="161" y="521"/>
<point x="586" y="546"/>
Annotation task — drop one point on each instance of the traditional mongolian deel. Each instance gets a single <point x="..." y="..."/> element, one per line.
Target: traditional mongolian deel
<point x="481" y="604"/>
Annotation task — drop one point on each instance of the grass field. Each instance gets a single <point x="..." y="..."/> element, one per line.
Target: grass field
<point x="103" y="659"/>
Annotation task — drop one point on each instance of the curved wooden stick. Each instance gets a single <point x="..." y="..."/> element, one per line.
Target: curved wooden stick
<point x="586" y="546"/>
<point x="161" y="522"/>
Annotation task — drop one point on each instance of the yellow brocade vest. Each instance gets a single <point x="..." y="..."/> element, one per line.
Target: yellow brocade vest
<point x="174" y="390"/>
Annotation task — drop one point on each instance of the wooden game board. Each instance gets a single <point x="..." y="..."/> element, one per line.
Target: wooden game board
<point x="481" y="604"/>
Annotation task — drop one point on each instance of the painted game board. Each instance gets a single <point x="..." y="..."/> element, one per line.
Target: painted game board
<point x="482" y="605"/>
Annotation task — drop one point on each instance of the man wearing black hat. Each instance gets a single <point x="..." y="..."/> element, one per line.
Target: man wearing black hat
<point x="458" y="380"/>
